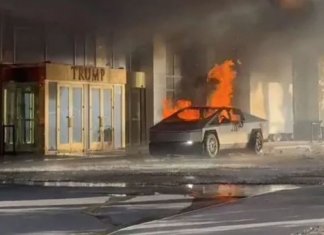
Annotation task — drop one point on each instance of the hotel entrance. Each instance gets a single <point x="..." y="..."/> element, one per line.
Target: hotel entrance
<point x="85" y="109"/>
<point x="62" y="109"/>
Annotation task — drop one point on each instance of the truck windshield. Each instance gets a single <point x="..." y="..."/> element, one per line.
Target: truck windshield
<point x="191" y="115"/>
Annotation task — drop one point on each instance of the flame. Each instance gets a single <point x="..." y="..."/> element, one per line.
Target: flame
<point x="224" y="75"/>
<point x="189" y="115"/>
<point x="170" y="108"/>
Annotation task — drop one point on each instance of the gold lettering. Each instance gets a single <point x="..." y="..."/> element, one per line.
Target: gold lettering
<point x="81" y="73"/>
<point x="102" y="74"/>
<point x="87" y="74"/>
<point x="73" y="68"/>
<point x="95" y="74"/>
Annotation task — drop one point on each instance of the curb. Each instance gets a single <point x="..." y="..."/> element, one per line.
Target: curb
<point x="71" y="184"/>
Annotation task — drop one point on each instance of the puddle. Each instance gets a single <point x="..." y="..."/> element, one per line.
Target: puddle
<point x="234" y="190"/>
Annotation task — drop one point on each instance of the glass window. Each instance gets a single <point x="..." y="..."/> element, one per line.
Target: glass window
<point x="64" y="115"/>
<point x="107" y="115"/>
<point x="77" y="115"/>
<point x="95" y="114"/>
<point x="191" y="115"/>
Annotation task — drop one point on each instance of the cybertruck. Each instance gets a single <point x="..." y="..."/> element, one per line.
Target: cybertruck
<point x="207" y="130"/>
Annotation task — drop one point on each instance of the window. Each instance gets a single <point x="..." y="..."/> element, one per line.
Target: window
<point x="191" y="115"/>
<point x="173" y="76"/>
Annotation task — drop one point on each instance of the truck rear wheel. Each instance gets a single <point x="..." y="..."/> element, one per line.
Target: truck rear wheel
<point x="211" y="145"/>
<point x="257" y="142"/>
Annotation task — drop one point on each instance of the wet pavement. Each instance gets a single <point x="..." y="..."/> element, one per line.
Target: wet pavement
<point x="141" y="189"/>
<point x="61" y="210"/>
<point x="297" y="211"/>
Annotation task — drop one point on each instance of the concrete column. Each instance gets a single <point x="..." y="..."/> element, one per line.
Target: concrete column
<point x="305" y="94"/>
<point x="159" y="76"/>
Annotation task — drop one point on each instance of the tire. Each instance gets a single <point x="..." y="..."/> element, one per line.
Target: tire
<point x="211" y="145"/>
<point x="257" y="143"/>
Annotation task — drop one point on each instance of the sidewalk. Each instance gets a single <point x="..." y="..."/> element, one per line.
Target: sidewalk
<point x="285" y="162"/>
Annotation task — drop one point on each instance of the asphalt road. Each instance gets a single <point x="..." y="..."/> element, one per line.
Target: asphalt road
<point x="299" y="211"/>
<point x="57" y="210"/>
<point x="35" y="210"/>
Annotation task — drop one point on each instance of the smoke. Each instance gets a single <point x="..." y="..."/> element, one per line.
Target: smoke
<point x="245" y="30"/>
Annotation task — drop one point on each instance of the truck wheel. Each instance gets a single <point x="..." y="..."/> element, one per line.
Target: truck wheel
<point x="257" y="142"/>
<point x="211" y="145"/>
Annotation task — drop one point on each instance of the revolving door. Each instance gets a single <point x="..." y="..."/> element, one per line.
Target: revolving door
<point x="20" y="102"/>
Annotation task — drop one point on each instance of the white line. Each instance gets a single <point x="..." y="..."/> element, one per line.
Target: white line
<point x="54" y="202"/>
<point x="202" y="230"/>
<point x="170" y="224"/>
<point x="40" y="209"/>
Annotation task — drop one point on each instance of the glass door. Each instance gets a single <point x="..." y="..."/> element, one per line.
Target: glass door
<point x="20" y="117"/>
<point x="63" y="111"/>
<point x="100" y="108"/>
<point x="95" y="119"/>
<point x="76" y="112"/>
<point x="70" y="118"/>
<point x="107" y="118"/>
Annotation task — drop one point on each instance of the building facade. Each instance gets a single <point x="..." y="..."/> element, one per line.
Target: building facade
<point x="63" y="88"/>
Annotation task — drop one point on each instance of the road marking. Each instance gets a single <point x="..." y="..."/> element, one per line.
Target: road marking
<point x="187" y="230"/>
<point x="54" y="202"/>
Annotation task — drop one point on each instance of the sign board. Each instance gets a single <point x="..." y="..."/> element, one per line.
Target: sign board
<point x="89" y="74"/>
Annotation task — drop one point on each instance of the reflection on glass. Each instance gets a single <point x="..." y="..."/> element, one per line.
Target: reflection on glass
<point x="77" y="115"/>
<point x="95" y="114"/>
<point x="64" y="114"/>
<point x="28" y="120"/>
<point x="107" y="116"/>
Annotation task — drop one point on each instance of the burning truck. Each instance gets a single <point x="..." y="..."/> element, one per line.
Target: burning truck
<point x="207" y="130"/>
<point x="187" y="129"/>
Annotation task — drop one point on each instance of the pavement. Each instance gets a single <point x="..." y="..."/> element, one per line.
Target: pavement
<point x="121" y="191"/>
<point x="294" y="212"/>
<point x="281" y="163"/>
<point x="47" y="210"/>
<point x="34" y="210"/>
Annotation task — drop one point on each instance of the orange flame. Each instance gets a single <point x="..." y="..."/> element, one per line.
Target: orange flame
<point x="224" y="75"/>
<point x="170" y="108"/>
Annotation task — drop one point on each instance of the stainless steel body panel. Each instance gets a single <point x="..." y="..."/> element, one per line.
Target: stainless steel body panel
<point x="176" y="136"/>
<point x="231" y="135"/>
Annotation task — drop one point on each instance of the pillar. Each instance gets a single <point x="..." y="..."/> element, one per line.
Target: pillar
<point x="305" y="94"/>
<point x="159" y="76"/>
